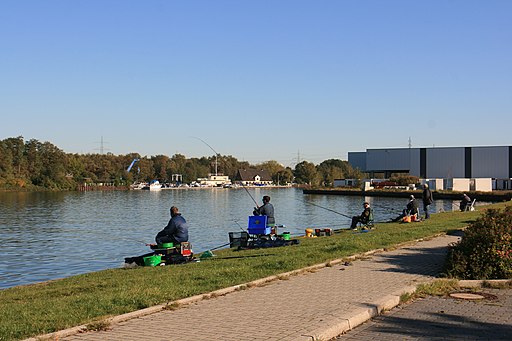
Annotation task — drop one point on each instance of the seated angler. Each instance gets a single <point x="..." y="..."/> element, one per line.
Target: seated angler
<point x="410" y="211"/>
<point x="267" y="209"/>
<point x="466" y="201"/>
<point x="412" y="207"/>
<point x="176" y="230"/>
<point x="364" y="217"/>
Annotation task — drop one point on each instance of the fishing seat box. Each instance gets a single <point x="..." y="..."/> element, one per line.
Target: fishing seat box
<point x="186" y="249"/>
<point x="258" y="225"/>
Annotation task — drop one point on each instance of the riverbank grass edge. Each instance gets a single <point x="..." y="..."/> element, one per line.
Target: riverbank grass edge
<point x="47" y="307"/>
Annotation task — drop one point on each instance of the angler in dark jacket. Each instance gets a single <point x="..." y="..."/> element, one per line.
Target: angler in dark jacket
<point x="411" y="209"/>
<point x="427" y="200"/>
<point x="176" y="230"/>
<point x="412" y="206"/>
<point x="363" y="218"/>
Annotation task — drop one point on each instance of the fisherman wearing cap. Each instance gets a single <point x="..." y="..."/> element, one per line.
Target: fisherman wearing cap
<point x="363" y="218"/>
<point x="410" y="210"/>
<point x="412" y="206"/>
<point x="466" y="201"/>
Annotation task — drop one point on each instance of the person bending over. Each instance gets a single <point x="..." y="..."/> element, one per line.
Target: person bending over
<point x="466" y="201"/>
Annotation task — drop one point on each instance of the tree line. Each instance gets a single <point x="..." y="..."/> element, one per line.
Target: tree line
<point x="41" y="165"/>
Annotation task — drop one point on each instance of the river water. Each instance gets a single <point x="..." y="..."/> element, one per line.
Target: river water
<point x="47" y="236"/>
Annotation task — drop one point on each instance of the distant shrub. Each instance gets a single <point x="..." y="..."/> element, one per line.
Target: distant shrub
<point x="485" y="250"/>
<point x="404" y="179"/>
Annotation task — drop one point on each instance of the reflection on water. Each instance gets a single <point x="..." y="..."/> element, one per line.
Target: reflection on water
<point x="53" y="235"/>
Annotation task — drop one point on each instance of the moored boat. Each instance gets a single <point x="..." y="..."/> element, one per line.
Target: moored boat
<point x="154" y="185"/>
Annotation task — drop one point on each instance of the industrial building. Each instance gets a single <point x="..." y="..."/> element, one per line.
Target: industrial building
<point x="451" y="163"/>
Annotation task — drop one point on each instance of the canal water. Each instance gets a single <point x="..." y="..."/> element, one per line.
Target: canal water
<point x="47" y="236"/>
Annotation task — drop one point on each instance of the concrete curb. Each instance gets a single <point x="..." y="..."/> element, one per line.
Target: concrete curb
<point x="341" y="325"/>
<point x="386" y="303"/>
<point x="467" y="283"/>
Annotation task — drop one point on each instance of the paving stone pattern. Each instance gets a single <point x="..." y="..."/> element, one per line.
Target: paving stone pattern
<point x="292" y="309"/>
<point x="442" y="318"/>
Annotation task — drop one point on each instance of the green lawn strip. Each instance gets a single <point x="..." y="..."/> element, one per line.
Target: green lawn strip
<point x="55" y="305"/>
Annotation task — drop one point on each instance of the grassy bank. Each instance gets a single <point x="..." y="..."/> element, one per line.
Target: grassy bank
<point x="43" y="308"/>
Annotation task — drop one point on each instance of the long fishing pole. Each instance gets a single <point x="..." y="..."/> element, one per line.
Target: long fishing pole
<point x="133" y="239"/>
<point x="241" y="228"/>
<point x="386" y="207"/>
<point x="328" y="209"/>
<point x="257" y="206"/>
<point x="216" y="155"/>
<point x="218" y="247"/>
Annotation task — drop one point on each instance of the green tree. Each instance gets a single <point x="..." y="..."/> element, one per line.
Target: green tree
<point x="34" y="160"/>
<point x="332" y="169"/>
<point x="6" y="163"/>
<point x="16" y="147"/>
<point x="162" y="167"/>
<point x="54" y="162"/>
<point x="306" y="173"/>
<point x="284" y="176"/>
<point x="273" y="167"/>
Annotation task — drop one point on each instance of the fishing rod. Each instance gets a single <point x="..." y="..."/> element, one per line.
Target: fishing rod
<point x="216" y="155"/>
<point x="133" y="239"/>
<point x="257" y="206"/>
<point x="218" y="247"/>
<point x="386" y="207"/>
<point x="328" y="209"/>
<point x="241" y="228"/>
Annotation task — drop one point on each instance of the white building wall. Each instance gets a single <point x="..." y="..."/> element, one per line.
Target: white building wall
<point x="482" y="184"/>
<point x="445" y="162"/>
<point x="489" y="162"/>
<point x="461" y="185"/>
<point x="436" y="184"/>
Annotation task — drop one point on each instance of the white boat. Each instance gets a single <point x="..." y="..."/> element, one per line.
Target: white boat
<point x="154" y="185"/>
<point x="138" y="185"/>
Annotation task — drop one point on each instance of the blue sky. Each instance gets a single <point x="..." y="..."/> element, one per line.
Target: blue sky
<point x="259" y="80"/>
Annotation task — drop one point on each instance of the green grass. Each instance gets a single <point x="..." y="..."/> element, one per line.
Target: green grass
<point x="86" y="299"/>
<point x="436" y="288"/>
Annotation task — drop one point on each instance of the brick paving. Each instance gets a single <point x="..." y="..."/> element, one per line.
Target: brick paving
<point x="311" y="306"/>
<point x="442" y="318"/>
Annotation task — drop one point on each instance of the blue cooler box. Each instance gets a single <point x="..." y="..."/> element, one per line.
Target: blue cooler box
<point x="258" y="225"/>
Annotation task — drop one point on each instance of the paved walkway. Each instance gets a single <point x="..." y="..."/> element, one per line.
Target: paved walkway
<point x="315" y="305"/>
<point x="442" y="318"/>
